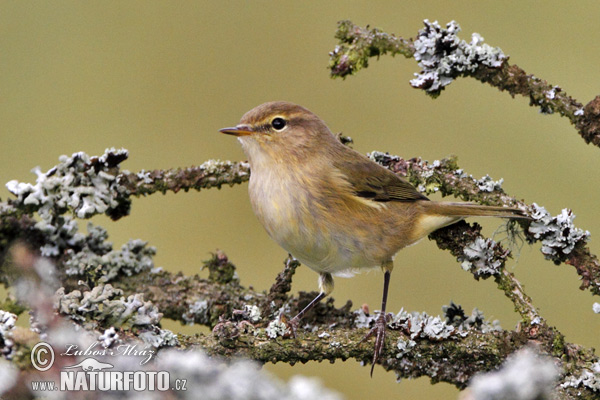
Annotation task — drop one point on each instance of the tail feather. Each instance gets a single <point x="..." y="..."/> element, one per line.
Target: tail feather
<point x="437" y="215"/>
<point x="464" y="210"/>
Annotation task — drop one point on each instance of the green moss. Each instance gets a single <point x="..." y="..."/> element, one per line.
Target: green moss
<point x="220" y="270"/>
<point x="558" y="345"/>
<point x="12" y="306"/>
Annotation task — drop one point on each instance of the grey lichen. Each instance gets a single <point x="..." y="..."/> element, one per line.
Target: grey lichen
<point x="357" y="45"/>
<point x="158" y="338"/>
<point x="442" y="56"/>
<point x="104" y="306"/>
<point x="276" y="328"/>
<point x="422" y="325"/>
<point x="97" y="261"/>
<point x="83" y="184"/>
<point x="424" y="179"/>
<point x="545" y="101"/>
<point x="7" y="325"/>
<point x="381" y="157"/>
<point x="109" y="337"/>
<point x="404" y="346"/>
<point x="455" y="315"/>
<point x="589" y="378"/>
<point x="212" y="166"/>
<point x="487" y="184"/>
<point x="197" y="313"/>
<point x="363" y="320"/>
<point x="252" y="312"/>
<point x="241" y="379"/>
<point x="80" y="184"/>
<point x="524" y="376"/>
<point x="481" y="257"/>
<point x="558" y="234"/>
<point x="430" y="177"/>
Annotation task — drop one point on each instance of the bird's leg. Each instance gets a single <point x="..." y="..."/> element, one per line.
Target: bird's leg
<point x="326" y="286"/>
<point x="381" y="321"/>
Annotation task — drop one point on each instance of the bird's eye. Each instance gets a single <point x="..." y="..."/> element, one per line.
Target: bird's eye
<point x="278" y="123"/>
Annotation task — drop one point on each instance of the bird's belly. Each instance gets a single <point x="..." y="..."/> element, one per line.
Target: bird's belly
<point x="329" y="253"/>
<point x="302" y="226"/>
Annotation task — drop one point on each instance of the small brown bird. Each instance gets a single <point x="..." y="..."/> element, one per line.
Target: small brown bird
<point x="332" y="208"/>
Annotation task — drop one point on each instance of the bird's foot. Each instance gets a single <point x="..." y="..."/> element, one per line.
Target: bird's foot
<point x="379" y="330"/>
<point x="291" y="324"/>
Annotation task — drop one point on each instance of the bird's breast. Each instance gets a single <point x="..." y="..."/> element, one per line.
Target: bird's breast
<point x="316" y="224"/>
<point x="281" y="204"/>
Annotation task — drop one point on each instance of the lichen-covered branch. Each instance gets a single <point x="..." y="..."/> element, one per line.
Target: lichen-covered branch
<point x="119" y="295"/>
<point x="212" y="173"/>
<point x="561" y="240"/>
<point x="450" y="349"/>
<point x="442" y="57"/>
<point x="85" y="186"/>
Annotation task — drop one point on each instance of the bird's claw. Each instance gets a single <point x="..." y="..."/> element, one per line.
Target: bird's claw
<point x="291" y="324"/>
<point x="379" y="330"/>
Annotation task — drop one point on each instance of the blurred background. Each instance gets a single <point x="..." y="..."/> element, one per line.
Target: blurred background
<point x="160" y="78"/>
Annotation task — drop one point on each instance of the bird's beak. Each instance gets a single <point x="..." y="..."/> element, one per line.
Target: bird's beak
<point x="240" y="130"/>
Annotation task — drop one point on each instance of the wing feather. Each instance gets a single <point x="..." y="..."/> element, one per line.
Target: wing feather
<point x="374" y="182"/>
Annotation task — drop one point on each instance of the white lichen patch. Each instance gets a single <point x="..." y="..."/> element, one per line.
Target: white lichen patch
<point x="404" y="346"/>
<point x="456" y="316"/>
<point x="145" y="177"/>
<point x="487" y="184"/>
<point x="109" y="337"/>
<point x="362" y="319"/>
<point x="422" y="325"/>
<point x="596" y="308"/>
<point x="551" y="94"/>
<point x="81" y="184"/>
<point x="480" y="257"/>
<point x="442" y="56"/>
<point x="104" y="305"/>
<point x="76" y="183"/>
<point x="214" y="166"/>
<point x="159" y="338"/>
<point x="524" y="376"/>
<point x="381" y="157"/>
<point x="253" y="313"/>
<point x="197" y="312"/>
<point x="276" y="328"/>
<point x="7" y="325"/>
<point x="97" y="258"/>
<point x="558" y="234"/>
<point x="209" y="379"/>
<point x="589" y="378"/>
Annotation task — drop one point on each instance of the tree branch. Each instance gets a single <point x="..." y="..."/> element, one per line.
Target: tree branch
<point x="444" y="57"/>
<point x="246" y="322"/>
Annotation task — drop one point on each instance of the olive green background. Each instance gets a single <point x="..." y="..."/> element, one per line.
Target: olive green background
<point x="160" y="79"/>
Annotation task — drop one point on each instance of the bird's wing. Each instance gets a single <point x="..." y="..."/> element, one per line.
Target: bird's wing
<point x="372" y="181"/>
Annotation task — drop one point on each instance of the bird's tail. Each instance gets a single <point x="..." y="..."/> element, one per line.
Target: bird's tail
<point x="465" y="210"/>
<point x="436" y="215"/>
